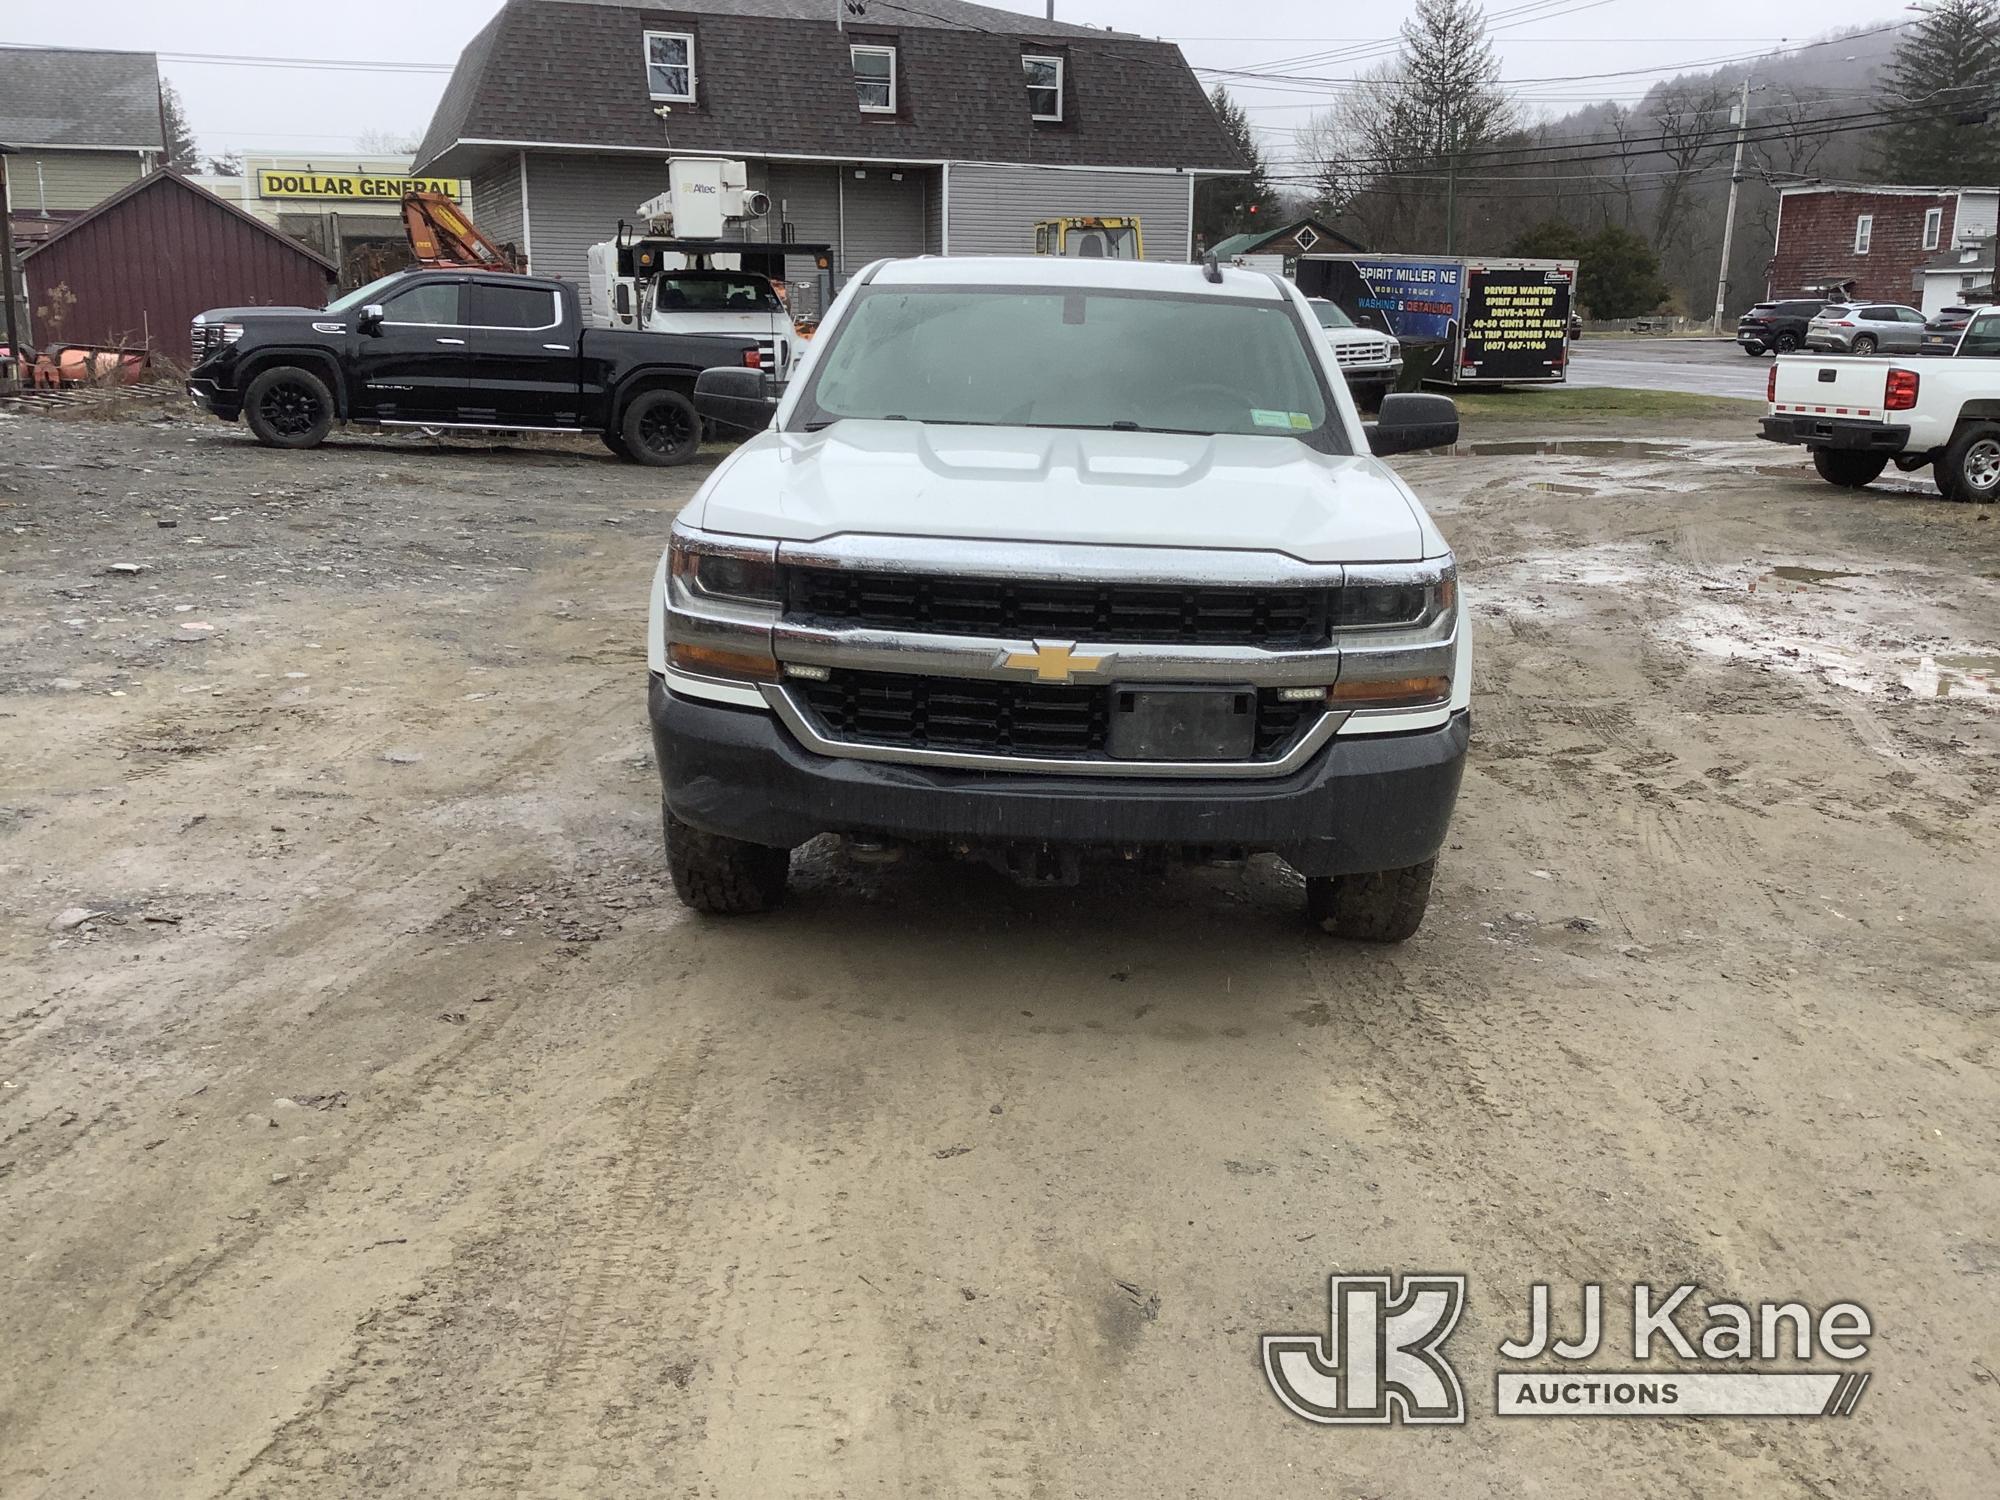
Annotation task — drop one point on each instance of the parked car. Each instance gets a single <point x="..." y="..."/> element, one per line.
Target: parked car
<point x="1135" y="587"/>
<point x="1779" y="326"/>
<point x="456" y="349"/>
<point x="1941" y="331"/>
<point x="1864" y="328"/>
<point x="1858" y="416"/>
<point x="1369" y="361"/>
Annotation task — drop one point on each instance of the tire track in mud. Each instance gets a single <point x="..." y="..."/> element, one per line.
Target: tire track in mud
<point x="545" y="1357"/>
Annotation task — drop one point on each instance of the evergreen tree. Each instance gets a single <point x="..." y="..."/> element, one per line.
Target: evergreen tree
<point x="182" y="150"/>
<point x="1946" y="80"/>
<point x="1618" y="275"/>
<point x="1233" y="205"/>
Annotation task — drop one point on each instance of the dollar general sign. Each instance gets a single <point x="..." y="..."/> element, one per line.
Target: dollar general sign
<point x="278" y="183"/>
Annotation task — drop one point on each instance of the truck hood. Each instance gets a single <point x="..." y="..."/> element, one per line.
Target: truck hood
<point x="1257" y="494"/>
<point x="267" y="315"/>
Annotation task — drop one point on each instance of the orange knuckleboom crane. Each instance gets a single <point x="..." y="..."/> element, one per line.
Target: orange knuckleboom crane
<point x="442" y="235"/>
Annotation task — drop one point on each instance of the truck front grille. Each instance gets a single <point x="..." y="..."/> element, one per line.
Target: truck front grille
<point x="1110" y="613"/>
<point x="1361" y="354"/>
<point x="981" y="716"/>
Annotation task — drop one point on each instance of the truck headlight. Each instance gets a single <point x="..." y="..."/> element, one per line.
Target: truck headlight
<point x="1397" y="627"/>
<point x="723" y="598"/>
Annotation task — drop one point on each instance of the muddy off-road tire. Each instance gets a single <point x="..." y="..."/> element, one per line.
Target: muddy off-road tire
<point x="661" y="428"/>
<point x="1849" y="468"/>
<point x="723" y="877"/>
<point x="1970" y="468"/>
<point x="287" y="407"/>
<point x="1383" y="907"/>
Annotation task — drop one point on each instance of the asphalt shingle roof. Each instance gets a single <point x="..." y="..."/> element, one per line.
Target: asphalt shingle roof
<point x="774" y="79"/>
<point x="53" y="96"/>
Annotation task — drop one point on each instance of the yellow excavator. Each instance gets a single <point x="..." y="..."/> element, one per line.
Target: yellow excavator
<point x="1091" y="237"/>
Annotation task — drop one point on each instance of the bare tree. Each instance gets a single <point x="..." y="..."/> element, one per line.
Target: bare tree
<point x="1691" y="125"/>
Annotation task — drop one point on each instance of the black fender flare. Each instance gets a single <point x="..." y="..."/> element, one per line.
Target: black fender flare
<point x="646" y="378"/>
<point x="320" y="361"/>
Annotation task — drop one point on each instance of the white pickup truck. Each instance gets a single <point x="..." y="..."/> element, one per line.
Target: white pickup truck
<point x="1130" y="582"/>
<point x="1858" y="416"/>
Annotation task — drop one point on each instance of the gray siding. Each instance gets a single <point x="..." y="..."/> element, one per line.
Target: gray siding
<point x="68" y="179"/>
<point x="495" y="201"/>
<point x="994" y="209"/>
<point x="806" y="196"/>
<point x="884" y="216"/>
<point x="576" y="201"/>
<point x="934" y="212"/>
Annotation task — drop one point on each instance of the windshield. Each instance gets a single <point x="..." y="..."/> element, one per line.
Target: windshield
<point x="361" y="296"/>
<point x="750" y="294"/>
<point x="1039" y="357"/>
<point x="1331" y="316"/>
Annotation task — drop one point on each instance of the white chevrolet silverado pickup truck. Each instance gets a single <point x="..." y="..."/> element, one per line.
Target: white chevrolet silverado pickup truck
<point x="1128" y="582"/>
<point x="1860" y="415"/>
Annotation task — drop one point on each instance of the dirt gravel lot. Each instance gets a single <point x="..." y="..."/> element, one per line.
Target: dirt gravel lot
<point x="372" y="1120"/>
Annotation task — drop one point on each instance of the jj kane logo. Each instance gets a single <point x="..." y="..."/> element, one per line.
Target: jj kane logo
<point x="1382" y="1357"/>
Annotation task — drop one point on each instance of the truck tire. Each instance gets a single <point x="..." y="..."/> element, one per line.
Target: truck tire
<point x="1970" y="468"/>
<point x="719" y="876"/>
<point x="1385" y="906"/>
<point x="1848" y="467"/>
<point x="662" y="428"/>
<point x="287" y="407"/>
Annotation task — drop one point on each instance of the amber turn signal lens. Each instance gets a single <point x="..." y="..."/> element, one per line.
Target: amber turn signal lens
<point x="1391" y="692"/>
<point x="707" y="661"/>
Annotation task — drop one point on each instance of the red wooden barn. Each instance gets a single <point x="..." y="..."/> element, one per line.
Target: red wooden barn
<point x="143" y="262"/>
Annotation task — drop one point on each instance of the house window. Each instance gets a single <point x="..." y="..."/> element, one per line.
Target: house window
<point x="875" y="79"/>
<point x="670" y="65"/>
<point x="1864" y="231"/>
<point x="1933" y="227"/>
<point x="1044" y="87"/>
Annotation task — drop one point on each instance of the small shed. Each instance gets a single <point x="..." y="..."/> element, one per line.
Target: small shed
<point x="1276" y="249"/>
<point x="135" y="270"/>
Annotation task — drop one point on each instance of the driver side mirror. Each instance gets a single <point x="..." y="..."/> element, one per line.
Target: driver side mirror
<point x="370" y="321"/>
<point x="733" y="396"/>
<point x="624" y="299"/>
<point x="1410" y="422"/>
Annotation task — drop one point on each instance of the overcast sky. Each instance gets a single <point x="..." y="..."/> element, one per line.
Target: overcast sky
<point x="312" y="112"/>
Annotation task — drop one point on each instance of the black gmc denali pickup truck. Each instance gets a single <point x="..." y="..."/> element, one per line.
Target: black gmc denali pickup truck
<point x="457" y="349"/>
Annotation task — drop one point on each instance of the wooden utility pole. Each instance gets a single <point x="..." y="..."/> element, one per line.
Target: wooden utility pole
<point x="7" y="264"/>
<point x="1729" y="216"/>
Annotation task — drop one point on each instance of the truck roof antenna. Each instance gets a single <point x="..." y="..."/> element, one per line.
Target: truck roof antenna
<point x="1210" y="269"/>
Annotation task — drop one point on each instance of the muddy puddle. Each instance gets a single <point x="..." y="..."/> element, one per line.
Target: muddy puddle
<point x="1866" y="631"/>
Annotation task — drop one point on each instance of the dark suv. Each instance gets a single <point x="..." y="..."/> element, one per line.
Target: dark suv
<point x="1777" y="325"/>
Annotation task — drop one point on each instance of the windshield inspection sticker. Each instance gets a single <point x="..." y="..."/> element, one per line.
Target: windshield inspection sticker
<point x="1382" y="1360"/>
<point x="1290" y="421"/>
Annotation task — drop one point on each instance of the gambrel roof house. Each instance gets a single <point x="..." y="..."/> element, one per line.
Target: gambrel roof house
<point x="933" y="126"/>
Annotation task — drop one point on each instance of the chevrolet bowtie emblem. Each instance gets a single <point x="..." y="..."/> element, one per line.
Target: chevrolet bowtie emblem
<point x="1052" y="661"/>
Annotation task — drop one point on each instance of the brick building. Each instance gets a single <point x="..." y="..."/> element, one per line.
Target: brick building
<point x="1872" y="243"/>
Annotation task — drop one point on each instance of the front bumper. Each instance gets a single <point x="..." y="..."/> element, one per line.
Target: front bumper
<point x="214" y="398"/>
<point x="1364" y="803"/>
<point x="1834" y="432"/>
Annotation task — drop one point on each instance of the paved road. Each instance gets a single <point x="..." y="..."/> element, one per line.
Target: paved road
<point x="1703" y="367"/>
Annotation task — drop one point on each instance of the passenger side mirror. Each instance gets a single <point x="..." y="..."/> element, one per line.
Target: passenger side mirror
<point x="370" y="320"/>
<point x="1410" y="422"/>
<point x="735" y="397"/>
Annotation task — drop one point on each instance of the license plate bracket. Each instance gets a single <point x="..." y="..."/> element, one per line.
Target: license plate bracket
<point x="1176" y="721"/>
